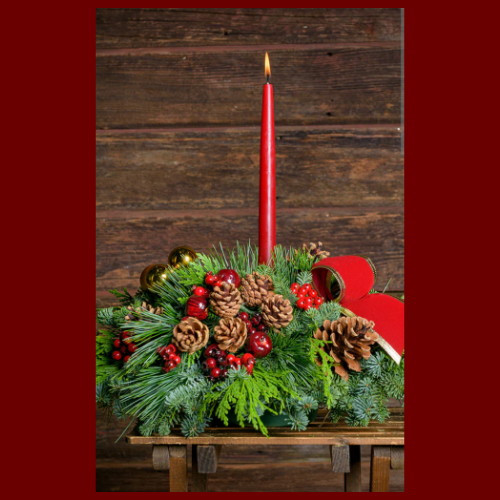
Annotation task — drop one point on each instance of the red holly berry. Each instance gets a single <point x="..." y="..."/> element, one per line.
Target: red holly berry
<point x="161" y="350"/>
<point x="210" y="279"/>
<point x="170" y="365"/>
<point x="244" y="316"/>
<point x="230" y="358"/>
<point x="249" y="324"/>
<point x="117" y="355"/>
<point x="256" y="319"/>
<point x="237" y="361"/>
<point x="123" y="349"/>
<point x="261" y="328"/>
<point x="246" y="358"/>
<point x="251" y="362"/>
<point x="211" y="363"/>
<point x="176" y="360"/>
<point x="171" y="355"/>
<point x="201" y="292"/>
<point x="210" y="350"/>
<point x="132" y="348"/>
<point x="318" y="301"/>
<point x="117" y="343"/>
<point x="126" y="358"/>
<point x="252" y="331"/>
<point x="301" y="303"/>
<point x="229" y="276"/>
<point x="197" y="307"/>
<point x="313" y="294"/>
<point x="307" y="307"/>
<point x="309" y="301"/>
<point x="222" y="361"/>
<point x="215" y="372"/>
<point x="294" y="288"/>
<point x="170" y="349"/>
<point x="249" y="369"/>
<point x="125" y="335"/>
<point x="223" y="373"/>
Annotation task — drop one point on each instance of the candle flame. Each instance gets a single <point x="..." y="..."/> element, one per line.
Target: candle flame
<point x="268" y="66"/>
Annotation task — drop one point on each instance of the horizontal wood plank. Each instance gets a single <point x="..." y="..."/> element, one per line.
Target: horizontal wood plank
<point x="348" y="84"/>
<point x="129" y="241"/>
<point x="218" y="168"/>
<point x="119" y="28"/>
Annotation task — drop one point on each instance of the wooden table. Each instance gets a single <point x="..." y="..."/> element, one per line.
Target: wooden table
<point x="386" y="440"/>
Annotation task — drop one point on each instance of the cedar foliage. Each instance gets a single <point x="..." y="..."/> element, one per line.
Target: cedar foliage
<point x="288" y="380"/>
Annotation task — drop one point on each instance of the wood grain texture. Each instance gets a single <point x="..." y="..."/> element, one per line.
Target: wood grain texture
<point x="178" y="469"/>
<point x="161" y="457"/>
<point x="352" y="480"/>
<point x="208" y="458"/>
<point x="119" y="28"/>
<point x="199" y="480"/>
<point x="218" y="168"/>
<point x="397" y="457"/>
<point x="348" y="84"/>
<point x="380" y="469"/>
<point x="340" y="459"/>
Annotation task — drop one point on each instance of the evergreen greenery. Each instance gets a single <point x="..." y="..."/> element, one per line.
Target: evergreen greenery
<point x="289" y="380"/>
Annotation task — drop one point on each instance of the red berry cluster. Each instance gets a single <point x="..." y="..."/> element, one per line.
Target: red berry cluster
<point x="258" y="343"/>
<point x="307" y="296"/>
<point x="169" y="354"/>
<point x="218" y="362"/>
<point x="124" y="347"/>
<point x="228" y="275"/>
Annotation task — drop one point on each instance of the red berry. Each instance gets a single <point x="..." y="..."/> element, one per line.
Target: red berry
<point x="313" y="294"/>
<point x="132" y="347"/>
<point x="249" y="324"/>
<point x="126" y="358"/>
<point x="171" y="355"/>
<point x="218" y="282"/>
<point x="221" y="360"/>
<point x="307" y="287"/>
<point x="318" y="301"/>
<point x="309" y="301"/>
<point x="210" y="278"/>
<point x="215" y="372"/>
<point x="201" y="292"/>
<point x="244" y="316"/>
<point x="160" y="350"/>
<point x="125" y="335"/>
<point x="117" y="355"/>
<point x="211" y="363"/>
<point x="237" y="361"/>
<point x="261" y="328"/>
<point x="256" y="319"/>
<point x="307" y="307"/>
<point x="251" y="331"/>
<point x="301" y="303"/>
<point x="210" y="350"/>
<point x="123" y="349"/>
<point x="176" y="359"/>
<point x="117" y="343"/>
<point x="230" y="358"/>
<point x="249" y="369"/>
<point x="170" y="365"/>
<point x="223" y="373"/>
<point x="247" y="357"/>
<point x="294" y="286"/>
<point x="251" y="362"/>
<point x="301" y="296"/>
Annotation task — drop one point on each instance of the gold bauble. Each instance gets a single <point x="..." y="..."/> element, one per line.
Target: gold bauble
<point x="181" y="256"/>
<point x="155" y="274"/>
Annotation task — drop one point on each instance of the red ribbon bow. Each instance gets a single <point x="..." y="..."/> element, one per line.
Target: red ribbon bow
<point x="354" y="278"/>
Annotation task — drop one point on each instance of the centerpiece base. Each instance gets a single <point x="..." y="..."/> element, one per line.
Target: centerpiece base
<point x="268" y="419"/>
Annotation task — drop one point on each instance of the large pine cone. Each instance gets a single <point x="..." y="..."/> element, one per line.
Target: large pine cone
<point x="190" y="335"/>
<point x="351" y="339"/>
<point x="225" y="300"/>
<point x="230" y="334"/>
<point x="277" y="312"/>
<point x="254" y="288"/>
<point x="135" y="312"/>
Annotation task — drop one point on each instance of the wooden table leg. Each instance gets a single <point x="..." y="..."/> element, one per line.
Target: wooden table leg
<point x="178" y="468"/>
<point x="352" y="480"/>
<point x="380" y="469"/>
<point x="198" y="479"/>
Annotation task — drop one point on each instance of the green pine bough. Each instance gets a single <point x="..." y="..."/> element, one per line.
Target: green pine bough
<point x="294" y="379"/>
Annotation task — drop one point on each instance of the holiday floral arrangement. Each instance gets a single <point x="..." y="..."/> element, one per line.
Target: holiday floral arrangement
<point x="218" y="339"/>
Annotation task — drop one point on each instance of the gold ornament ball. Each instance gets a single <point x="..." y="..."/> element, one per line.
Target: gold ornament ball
<point x="154" y="274"/>
<point x="181" y="256"/>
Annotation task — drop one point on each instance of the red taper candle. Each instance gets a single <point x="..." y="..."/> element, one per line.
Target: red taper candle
<point x="267" y="206"/>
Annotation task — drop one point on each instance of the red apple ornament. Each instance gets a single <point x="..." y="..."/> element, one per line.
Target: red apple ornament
<point x="259" y="344"/>
<point x="197" y="307"/>
<point x="229" y="276"/>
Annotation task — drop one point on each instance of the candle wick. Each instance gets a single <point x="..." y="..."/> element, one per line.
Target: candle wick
<point x="267" y="79"/>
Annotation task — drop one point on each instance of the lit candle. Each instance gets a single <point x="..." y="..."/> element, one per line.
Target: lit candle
<point x="267" y="206"/>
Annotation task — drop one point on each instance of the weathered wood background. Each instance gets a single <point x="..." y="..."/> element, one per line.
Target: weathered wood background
<point x="179" y="95"/>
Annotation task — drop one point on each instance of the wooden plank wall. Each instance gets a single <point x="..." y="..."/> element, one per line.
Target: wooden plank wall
<point x="178" y="114"/>
<point x="179" y="95"/>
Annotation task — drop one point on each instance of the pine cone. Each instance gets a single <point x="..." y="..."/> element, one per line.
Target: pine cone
<point x="135" y="312"/>
<point x="316" y="251"/>
<point x="351" y="339"/>
<point x="277" y="312"/>
<point x="190" y="335"/>
<point x="230" y="334"/>
<point x="254" y="287"/>
<point x="225" y="300"/>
